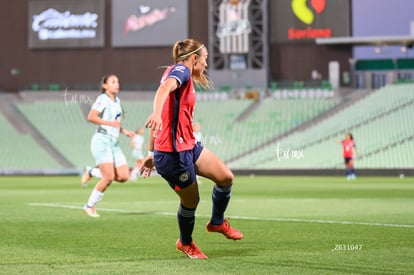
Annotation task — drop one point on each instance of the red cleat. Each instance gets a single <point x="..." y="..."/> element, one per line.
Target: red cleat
<point x="225" y="229"/>
<point x="191" y="250"/>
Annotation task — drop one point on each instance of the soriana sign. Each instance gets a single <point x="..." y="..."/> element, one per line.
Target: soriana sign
<point x="303" y="20"/>
<point x="66" y="23"/>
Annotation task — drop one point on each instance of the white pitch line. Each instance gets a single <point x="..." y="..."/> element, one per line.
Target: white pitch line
<point x="58" y="205"/>
<point x="325" y="221"/>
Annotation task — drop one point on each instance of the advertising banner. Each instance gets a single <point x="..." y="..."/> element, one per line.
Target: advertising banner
<point x="66" y="23"/>
<point x="148" y="22"/>
<point x="305" y="20"/>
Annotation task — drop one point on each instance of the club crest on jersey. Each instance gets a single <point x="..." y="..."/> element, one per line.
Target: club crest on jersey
<point x="184" y="177"/>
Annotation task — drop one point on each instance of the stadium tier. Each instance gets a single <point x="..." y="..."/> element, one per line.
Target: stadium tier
<point x="217" y="120"/>
<point x="136" y="114"/>
<point x="230" y="136"/>
<point x="247" y="134"/>
<point x="63" y="126"/>
<point x="380" y="122"/>
<point x="19" y="151"/>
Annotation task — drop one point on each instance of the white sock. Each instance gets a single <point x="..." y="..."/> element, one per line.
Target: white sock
<point x="96" y="173"/>
<point x="135" y="171"/>
<point x="94" y="198"/>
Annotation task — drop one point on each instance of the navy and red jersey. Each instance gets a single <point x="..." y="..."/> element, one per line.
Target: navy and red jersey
<point x="348" y="148"/>
<point x="176" y="134"/>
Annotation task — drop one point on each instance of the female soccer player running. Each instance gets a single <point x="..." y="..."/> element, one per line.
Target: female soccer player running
<point x="106" y="112"/>
<point x="176" y="154"/>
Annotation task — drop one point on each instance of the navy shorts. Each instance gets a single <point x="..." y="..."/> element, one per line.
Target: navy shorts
<point x="178" y="168"/>
<point x="347" y="160"/>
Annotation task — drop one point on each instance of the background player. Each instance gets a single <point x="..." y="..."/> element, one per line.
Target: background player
<point x="106" y="112"/>
<point x="137" y="144"/>
<point x="348" y="146"/>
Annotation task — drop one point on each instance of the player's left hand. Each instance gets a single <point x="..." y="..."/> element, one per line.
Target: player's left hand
<point x="147" y="167"/>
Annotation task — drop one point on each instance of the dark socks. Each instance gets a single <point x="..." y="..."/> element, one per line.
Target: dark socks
<point x="186" y="220"/>
<point x="221" y="197"/>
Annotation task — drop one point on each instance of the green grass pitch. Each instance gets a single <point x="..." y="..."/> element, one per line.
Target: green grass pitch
<point x="291" y="225"/>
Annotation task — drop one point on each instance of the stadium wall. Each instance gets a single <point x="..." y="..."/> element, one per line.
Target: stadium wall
<point x="24" y="68"/>
<point x="82" y="65"/>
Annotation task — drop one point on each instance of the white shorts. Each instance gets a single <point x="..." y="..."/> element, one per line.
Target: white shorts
<point x="106" y="150"/>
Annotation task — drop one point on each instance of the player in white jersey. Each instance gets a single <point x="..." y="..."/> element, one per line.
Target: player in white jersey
<point x="137" y="144"/>
<point x="106" y="112"/>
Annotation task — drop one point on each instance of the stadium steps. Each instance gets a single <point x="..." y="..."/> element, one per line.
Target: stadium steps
<point x="247" y="112"/>
<point x="85" y="109"/>
<point x="136" y="114"/>
<point x="400" y="151"/>
<point x="24" y="127"/>
<point x="360" y="124"/>
<point x="306" y="124"/>
<point x="9" y="112"/>
<point x="317" y="139"/>
<point x="20" y="151"/>
<point x="219" y="129"/>
<point x="272" y="118"/>
<point x="62" y="127"/>
<point x="65" y="127"/>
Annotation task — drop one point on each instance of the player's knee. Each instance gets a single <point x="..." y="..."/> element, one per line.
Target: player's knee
<point x="227" y="178"/>
<point x="122" y="178"/>
<point x="189" y="200"/>
<point x="192" y="203"/>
